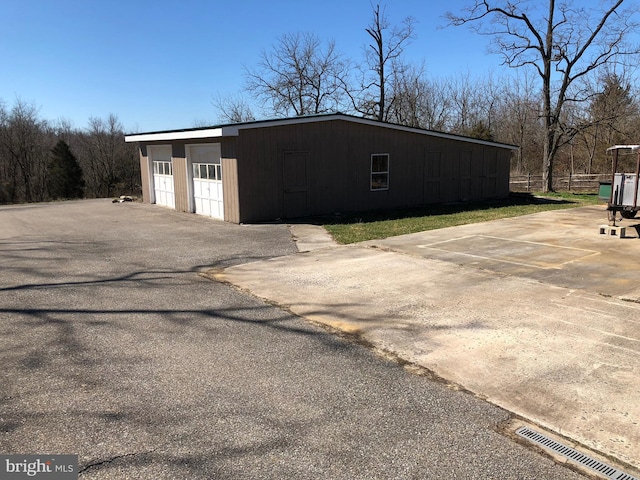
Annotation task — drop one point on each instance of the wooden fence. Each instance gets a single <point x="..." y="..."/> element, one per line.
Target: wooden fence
<point x="572" y="183"/>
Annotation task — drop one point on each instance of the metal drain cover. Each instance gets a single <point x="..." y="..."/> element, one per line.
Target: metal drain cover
<point x="573" y="455"/>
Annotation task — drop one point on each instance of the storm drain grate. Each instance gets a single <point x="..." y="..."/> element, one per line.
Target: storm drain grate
<point x="574" y="455"/>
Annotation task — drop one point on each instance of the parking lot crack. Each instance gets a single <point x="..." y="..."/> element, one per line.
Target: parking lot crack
<point x="99" y="463"/>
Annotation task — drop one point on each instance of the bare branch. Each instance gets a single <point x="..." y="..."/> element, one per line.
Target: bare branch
<point x="299" y="75"/>
<point x="563" y="44"/>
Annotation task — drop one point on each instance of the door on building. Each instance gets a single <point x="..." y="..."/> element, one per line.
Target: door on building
<point x="295" y="184"/>
<point x="432" y="179"/>
<point x="206" y="169"/>
<point x="465" y="190"/>
<point x="163" y="191"/>
<point x="470" y="176"/>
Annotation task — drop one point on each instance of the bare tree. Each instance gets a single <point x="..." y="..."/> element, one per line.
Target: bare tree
<point x="383" y="57"/>
<point x="563" y="42"/>
<point x="8" y="165"/>
<point x="453" y="104"/>
<point x="435" y="104"/>
<point x="611" y="117"/>
<point x="63" y="130"/>
<point x="470" y="104"/>
<point x="233" y="109"/>
<point x="110" y="165"/>
<point x="25" y="142"/>
<point x="299" y="75"/>
<point x="518" y="120"/>
<point x="408" y="90"/>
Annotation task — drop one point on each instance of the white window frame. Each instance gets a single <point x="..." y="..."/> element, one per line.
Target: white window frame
<point x="214" y="173"/>
<point x="164" y="165"/>
<point x="379" y="173"/>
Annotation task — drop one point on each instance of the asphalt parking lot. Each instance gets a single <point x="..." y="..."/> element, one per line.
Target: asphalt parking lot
<point x="537" y="314"/>
<point x="115" y="347"/>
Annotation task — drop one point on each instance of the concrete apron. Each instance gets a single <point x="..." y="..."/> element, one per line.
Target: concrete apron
<point x="565" y="358"/>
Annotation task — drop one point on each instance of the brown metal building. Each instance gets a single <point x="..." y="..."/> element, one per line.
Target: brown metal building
<point x="313" y="165"/>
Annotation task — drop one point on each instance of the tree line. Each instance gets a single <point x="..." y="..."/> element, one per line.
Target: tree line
<point x="42" y="160"/>
<point x="571" y="93"/>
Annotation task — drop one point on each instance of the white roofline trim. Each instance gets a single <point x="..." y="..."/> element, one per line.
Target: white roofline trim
<point x="176" y="135"/>
<point x="633" y="148"/>
<point x="233" y="130"/>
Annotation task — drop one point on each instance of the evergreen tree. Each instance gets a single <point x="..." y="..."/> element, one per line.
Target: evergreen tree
<point x="65" y="174"/>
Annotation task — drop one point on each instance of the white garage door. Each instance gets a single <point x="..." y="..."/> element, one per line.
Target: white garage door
<point x="163" y="191"/>
<point x="207" y="180"/>
<point x="163" y="184"/>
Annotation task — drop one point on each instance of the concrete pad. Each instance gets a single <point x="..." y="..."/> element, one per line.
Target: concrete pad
<point x="490" y="307"/>
<point x="310" y="237"/>
<point x="562" y="248"/>
<point x="516" y="252"/>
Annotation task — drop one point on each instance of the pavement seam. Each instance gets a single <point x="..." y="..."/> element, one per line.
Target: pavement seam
<point x="98" y="463"/>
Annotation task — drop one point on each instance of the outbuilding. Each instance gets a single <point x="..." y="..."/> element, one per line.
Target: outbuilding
<point x="315" y="165"/>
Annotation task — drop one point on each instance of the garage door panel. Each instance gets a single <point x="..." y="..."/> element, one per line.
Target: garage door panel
<point x="164" y="192"/>
<point x="215" y="192"/>
<point x="197" y="189"/>
<point x="208" y="197"/>
<point x="203" y="207"/>
<point x="207" y="180"/>
<point x="162" y="167"/>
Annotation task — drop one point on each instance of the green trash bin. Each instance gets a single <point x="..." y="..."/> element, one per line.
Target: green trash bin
<point x="604" y="191"/>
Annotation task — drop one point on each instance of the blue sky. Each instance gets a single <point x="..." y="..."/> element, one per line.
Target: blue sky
<point x="157" y="64"/>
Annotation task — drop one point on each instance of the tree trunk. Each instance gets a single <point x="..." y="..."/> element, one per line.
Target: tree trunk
<point x="547" y="168"/>
<point x="549" y="121"/>
<point x="549" y="153"/>
<point x="381" y="103"/>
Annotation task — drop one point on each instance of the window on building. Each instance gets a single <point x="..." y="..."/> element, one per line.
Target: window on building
<point x="380" y="171"/>
<point x="207" y="171"/>
<point x="162" y="168"/>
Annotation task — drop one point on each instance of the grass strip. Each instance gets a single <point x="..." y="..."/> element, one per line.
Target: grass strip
<point x="360" y="227"/>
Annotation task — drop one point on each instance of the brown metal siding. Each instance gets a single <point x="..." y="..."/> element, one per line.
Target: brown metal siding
<point x="503" y="169"/>
<point x="490" y="173"/>
<point x="231" y="203"/>
<point x="422" y="169"/>
<point x="180" y="182"/>
<point x="144" y="173"/>
<point x="230" y="190"/>
<point x="432" y="177"/>
<point x="259" y="175"/>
